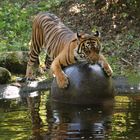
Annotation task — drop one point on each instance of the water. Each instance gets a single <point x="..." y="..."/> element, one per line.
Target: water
<point x="36" y="117"/>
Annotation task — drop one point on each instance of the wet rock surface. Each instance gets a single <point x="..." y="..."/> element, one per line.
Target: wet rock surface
<point x="88" y="84"/>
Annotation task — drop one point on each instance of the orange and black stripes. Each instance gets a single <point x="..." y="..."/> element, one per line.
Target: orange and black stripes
<point x="50" y="33"/>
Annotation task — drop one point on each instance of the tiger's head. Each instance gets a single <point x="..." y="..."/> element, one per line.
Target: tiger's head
<point x="88" y="47"/>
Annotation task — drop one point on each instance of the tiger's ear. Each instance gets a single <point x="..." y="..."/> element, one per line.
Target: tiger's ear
<point x="79" y="35"/>
<point x="97" y="34"/>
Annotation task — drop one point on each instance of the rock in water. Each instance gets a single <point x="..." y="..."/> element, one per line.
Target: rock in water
<point x="5" y="75"/>
<point x="88" y="84"/>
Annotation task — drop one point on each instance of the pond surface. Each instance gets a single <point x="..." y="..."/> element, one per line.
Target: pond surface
<point x="35" y="117"/>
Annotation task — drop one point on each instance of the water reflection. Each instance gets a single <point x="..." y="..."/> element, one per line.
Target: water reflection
<point x="77" y="122"/>
<point x="66" y="121"/>
<point x="126" y="119"/>
<point x="33" y="106"/>
<point x="37" y="118"/>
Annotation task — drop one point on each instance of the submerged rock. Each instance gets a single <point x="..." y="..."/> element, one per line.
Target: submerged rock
<point x="5" y="75"/>
<point x="88" y="85"/>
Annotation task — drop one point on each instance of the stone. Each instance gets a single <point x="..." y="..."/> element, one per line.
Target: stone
<point x="88" y="84"/>
<point x="14" y="61"/>
<point x="5" y="75"/>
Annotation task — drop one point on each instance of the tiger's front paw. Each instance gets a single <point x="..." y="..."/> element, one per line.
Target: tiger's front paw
<point x="108" y="70"/>
<point x="62" y="81"/>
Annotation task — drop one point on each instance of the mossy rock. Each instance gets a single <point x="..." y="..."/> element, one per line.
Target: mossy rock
<point x="5" y="75"/>
<point x="15" y="62"/>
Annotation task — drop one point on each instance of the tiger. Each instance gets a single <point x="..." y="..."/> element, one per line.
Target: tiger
<point x="63" y="47"/>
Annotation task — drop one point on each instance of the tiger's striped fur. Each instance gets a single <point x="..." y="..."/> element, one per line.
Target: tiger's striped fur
<point x="63" y="47"/>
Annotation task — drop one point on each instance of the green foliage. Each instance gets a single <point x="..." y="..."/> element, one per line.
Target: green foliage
<point x="15" y="21"/>
<point x="133" y="77"/>
<point x="123" y="47"/>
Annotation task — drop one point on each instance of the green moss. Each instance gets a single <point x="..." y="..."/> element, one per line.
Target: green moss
<point x="15" y="62"/>
<point x="5" y="75"/>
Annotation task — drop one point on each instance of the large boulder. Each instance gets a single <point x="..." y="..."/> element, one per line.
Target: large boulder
<point x="15" y="61"/>
<point x="88" y="84"/>
<point x="5" y="75"/>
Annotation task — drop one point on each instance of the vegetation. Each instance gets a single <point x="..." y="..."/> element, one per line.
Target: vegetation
<point x="118" y="22"/>
<point x="15" y="22"/>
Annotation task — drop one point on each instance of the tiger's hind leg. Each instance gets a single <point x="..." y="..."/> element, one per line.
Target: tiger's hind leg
<point x="32" y="69"/>
<point x="48" y="62"/>
<point x="33" y="63"/>
<point x="105" y="65"/>
<point x="46" y="68"/>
